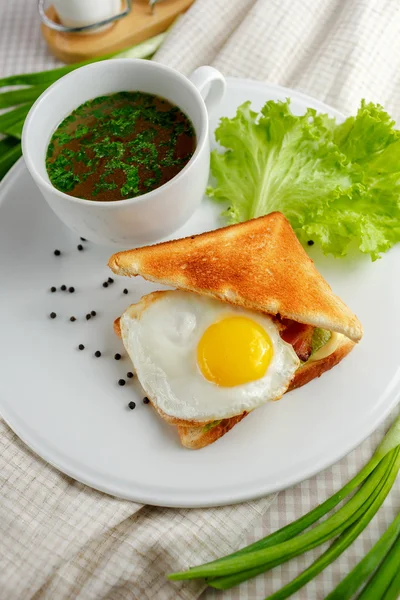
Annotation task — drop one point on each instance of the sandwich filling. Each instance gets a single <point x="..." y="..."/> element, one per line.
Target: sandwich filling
<point x="310" y="343"/>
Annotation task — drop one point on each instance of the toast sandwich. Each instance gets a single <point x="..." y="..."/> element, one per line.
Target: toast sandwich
<point x="258" y="265"/>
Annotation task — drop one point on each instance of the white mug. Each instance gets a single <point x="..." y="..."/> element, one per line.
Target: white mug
<point x="151" y="216"/>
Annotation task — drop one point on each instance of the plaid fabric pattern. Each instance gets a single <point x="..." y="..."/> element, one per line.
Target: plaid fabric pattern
<point x="61" y="540"/>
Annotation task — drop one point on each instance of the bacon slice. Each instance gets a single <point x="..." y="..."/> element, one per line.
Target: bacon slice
<point x="299" y="336"/>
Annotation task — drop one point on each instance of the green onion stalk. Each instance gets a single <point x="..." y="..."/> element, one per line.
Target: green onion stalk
<point x="371" y="486"/>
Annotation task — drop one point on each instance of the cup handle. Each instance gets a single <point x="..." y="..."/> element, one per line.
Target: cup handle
<point x="211" y="85"/>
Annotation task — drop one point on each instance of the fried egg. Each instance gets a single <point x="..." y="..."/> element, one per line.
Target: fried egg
<point x="200" y="359"/>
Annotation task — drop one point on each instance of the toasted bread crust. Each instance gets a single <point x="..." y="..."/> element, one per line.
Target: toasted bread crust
<point x="117" y="327"/>
<point x="259" y="265"/>
<point x="179" y="422"/>
<point x="313" y="369"/>
<point x="196" y="438"/>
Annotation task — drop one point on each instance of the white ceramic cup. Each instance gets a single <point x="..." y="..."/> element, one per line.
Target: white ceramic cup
<point x="151" y="216"/>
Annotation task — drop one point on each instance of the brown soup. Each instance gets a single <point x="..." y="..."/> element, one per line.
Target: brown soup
<point x="119" y="146"/>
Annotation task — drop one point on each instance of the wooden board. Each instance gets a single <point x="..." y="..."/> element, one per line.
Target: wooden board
<point x="136" y="27"/>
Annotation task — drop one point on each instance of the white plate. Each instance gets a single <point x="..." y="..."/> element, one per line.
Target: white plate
<point x="66" y="404"/>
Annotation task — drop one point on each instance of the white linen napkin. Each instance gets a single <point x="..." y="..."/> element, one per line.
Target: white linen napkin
<point x="334" y="50"/>
<point x="60" y="539"/>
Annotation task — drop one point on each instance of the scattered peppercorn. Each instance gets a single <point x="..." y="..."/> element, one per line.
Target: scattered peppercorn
<point x="310" y="243"/>
<point x="129" y="374"/>
<point x="53" y="315"/>
<point x="57" y="252"/>
<point x="72" y="319"/>
<point x="132" y="405"/>
<point x="117" y="356"/>
<point x="125" y="291"/>
<point x="83" y="239"/>
<point x="121" y="381"/>
<point x="97" y="353"/>
<point x="110" y="280"/>
<point x="53" y="289"/>
<point x="146" y="400"/>
<point x="63" y="288"/>
<point x="71" y="290"/>
<point x="88" y="316"/>
<point x="105" y="284"/>
<point x="80" y="247"/>
<point x="93" y="313"/>
<point x="81" y="347"/>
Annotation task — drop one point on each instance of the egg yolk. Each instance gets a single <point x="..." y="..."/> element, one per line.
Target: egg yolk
<point x="234" y="351"/>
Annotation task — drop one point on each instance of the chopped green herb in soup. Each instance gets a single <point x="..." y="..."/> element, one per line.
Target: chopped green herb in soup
<point x="119" y="146"/>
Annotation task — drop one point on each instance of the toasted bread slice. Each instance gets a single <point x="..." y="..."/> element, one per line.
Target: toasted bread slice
<point x="259" y="265"/>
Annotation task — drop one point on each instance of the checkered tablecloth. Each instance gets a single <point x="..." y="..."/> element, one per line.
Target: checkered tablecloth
<point x="335" y="50"/>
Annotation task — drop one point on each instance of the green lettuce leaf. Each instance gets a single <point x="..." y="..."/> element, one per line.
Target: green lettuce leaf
<point x="337" y="184"/>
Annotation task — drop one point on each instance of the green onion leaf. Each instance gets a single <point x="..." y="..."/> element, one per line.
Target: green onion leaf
<point x="229" y="581"/>
<point x="393" y="591"/>
<point x="385" y="573"/>
<point x="142" y="50"/>
<point x="347" y="537"/>
<point x="333" y="526"/>
<point x="10" y="151"/>
<point x="284" y="544"/>
<point x="27" y="94"/>
<point x="390" y="441"/>
<point x="42" y="77"/>
<point x="11" y="117"/>
<point x="15" y="130"/>
<point x="350" y="584"/>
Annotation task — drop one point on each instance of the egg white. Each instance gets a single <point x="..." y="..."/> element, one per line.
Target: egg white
<point x="161" y="339"/>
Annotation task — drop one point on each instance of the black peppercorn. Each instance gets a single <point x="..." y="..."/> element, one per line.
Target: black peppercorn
<point x="105" y="284"/>
<point x="80" y="247"/>
<point x="93" y="313"/>
<point x="129" y="374"/>
<point x="146" y="400"/>
<point x="63" y="288"/>
<point x="117" y="356"/>
<point x="121" y="381"/>
<point x="88" y="316"/>
<point x="53" y="315"/>
<point x="72" y="319"/>
<point x="125" y="291"/>
<point x="53" y="289"/>
<point x="57" y="252"/>
<point x="83" y="239"/>
<point x="81" y="347"/>
<point x="71" y="290"/>
<point x="110" y="280"/>
<point x="310" y="243"/>
<point x="97" y="353"/>
<point x="132" y="405"/>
